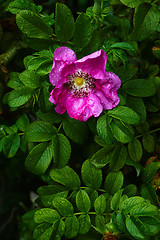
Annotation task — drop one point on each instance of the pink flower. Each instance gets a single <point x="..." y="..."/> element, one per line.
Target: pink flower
<point x="82" y="87"/>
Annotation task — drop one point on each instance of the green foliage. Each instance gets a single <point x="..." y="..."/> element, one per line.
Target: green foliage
<point x="94" y="178"/>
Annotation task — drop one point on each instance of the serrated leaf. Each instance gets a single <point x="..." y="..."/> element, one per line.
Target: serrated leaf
<point x="91" y="176"/>
<point x="149" y="172"/>
<point x="22" y="122"/>
<point x="116" y="200"/>
<point x="46" y="215"/>
<point x="14" y="81"/>
<point x="11" y="143"/>
<point x="66" y="176"/>
<point x="131" y="202"/>
<point x="130" y="190"/>
<point x="100" y="204"/>
<point x="84" y="223"/>
<point x="125" y="114"/>
<point x="148" y="142"/>
<point x="146" y="20"/>
<point x="136" y="228"/>
<point x="64" y="22"/>
<point x="140" y="87"/>
<point x="83" y="31"/>
<point x="118" y="158"/>
<point x="39" y="159"/>
<point x="71" y="227"/>
<point x="32" y="25"/>
<point x="20" y="96"/>
<point x="121" y="131"/>
<point x="82" y="201"/>
<point x="104" y="130"/>
<point x="102" y="156"/>
<point x="40" y="131"/>
<point x="113" y="182"/>
<point x="125" y="46"/>
<point x="43" y="231"/>
<point x="148" y="192"/>
<point x="135" y="150"/>
<point x="138" y="106"/>
<point x="144" y="209"/>
<point x="63" y="206"/>
<point x="61" y="149"/>
<point x="30" y="79"/>
<point x="132" y="3"/>
<point x="18" y="5"/>
<point x="75" y="130"/>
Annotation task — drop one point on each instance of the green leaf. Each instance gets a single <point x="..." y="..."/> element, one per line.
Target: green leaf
<point x="124" y="114"/>
<point x="49" y="117"/>
<point x="118" y="158"/>
<point x="136" y="228"/>
<point x="149" y="172"/>
<point x="135" y="150"/>
<point x="14" y="81"/>
<point x="146" y="20"/>
<point x="20" y="96"/>
<point x="46" y="215"/>
<point x="116" y="200"/>
<point x="43" y="231"/>
<point x="140" y="87"/>
<point x="138" y="106"/>
<point x="121" y="131"/>
<point x="18" y="5"/>
<point x="75" y="130"/>
<point x="91" y="176"/>
<point x="102" y="156"/>
<point x="66" y="176"/>
<point x="152" y="224"/>
<point x="61" y="149"/>
<point x="113" y="182"/>
<point x="39" y="159"/>
<point x="84" y="223"/>
<point x="63" y="206"/>
<point x="40" y="131"/>
<point x="131" y="202"/>
<point x="130" y="190"/>
<point x="11" y="143"/>
<point x="125" y="46"/>
<point x="132" y="3"/>
<point x="82" y="201"/>
<point x="22" y="122"/>
<point x="100" y="224"/>
<point x="71" y="227"/>
<point x="64" y="23"/>
<point x="100" y="204"/>
<point x="32" y="25"/>
<point x="148" y="192"/>
<point x="30" y="79"/>
<point x="120" y="222"/>
<point x="144" y="210"/>
<point x="148" y="142"/>
<point x="83" y="31"/>
<point x="104" y="130"/>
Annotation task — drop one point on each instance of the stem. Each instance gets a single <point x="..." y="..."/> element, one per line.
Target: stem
<point x="155" y="130"/>
<point x="60" y="127"/>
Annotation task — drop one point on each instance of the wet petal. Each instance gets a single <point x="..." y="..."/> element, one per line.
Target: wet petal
<point x="107" y="91"/>
<point x="59" y="96"/>
<point x="62" y="58"/>
<point x="93" y="64"/>
<point x="65" y="54"/>
<point x="83" y="108"/>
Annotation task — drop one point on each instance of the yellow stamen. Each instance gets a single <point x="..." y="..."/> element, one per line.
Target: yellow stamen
<point x="79" y="81"/>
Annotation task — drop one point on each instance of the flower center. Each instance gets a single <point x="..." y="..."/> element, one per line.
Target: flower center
<point x="79" y="81"/>
<point x="80" y="84"/>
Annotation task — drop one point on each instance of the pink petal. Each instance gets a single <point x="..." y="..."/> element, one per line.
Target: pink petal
<point x="59" y="96"/>
<point x="83" y="108"/>
<point x="62" y="57"/>
<point x="65" y="54"/>
<point x="93" y="64"/>
<point x="107" y="91"/>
